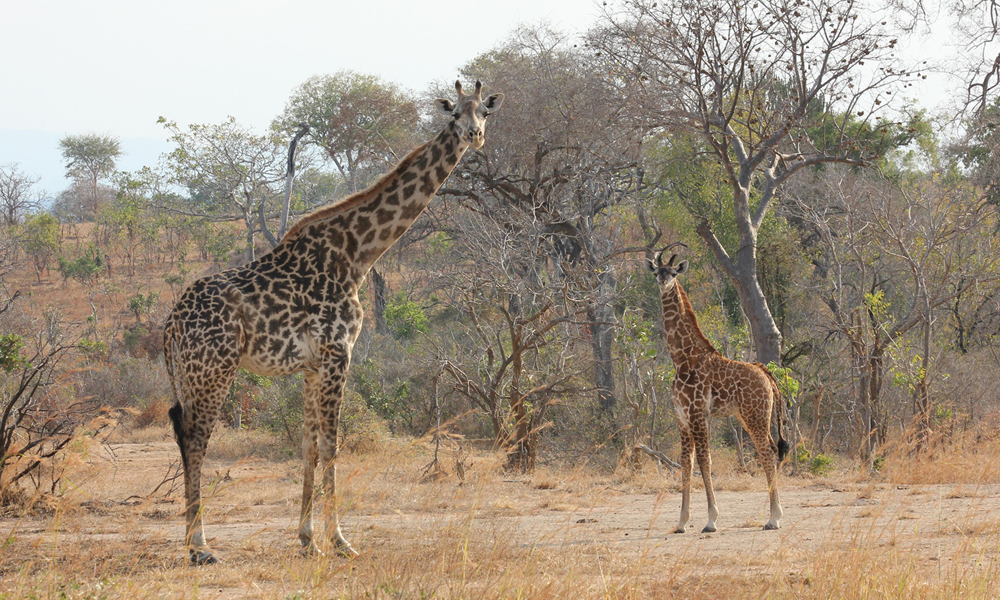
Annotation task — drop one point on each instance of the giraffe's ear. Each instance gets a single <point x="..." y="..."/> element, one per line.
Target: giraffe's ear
<point x="493" y="102"/>
<point x="682" y="267"/>
<point x="445" y="107"/>
<point x="650" y="265"/>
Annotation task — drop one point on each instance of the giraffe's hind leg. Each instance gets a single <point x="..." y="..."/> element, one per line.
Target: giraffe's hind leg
<point x="760" y="432"/>
<point x="193" y="420"/>
<point x="310" y="456"/>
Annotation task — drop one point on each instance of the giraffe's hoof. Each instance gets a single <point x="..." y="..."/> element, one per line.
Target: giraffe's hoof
<point x="310" y="550"/>
<point x="679" y="530"/>
<point x="345" y="550"/>
<point x="202" y="557"/>
<point x="709" y="529"/>
<point x="771" y="527"/>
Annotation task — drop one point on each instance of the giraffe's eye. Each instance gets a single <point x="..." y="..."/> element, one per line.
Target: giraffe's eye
<point x="486" y="114"/>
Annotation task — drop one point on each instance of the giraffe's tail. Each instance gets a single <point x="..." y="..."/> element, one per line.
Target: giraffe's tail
<point x="176" y="411"/>
<point x="779" y="409"/>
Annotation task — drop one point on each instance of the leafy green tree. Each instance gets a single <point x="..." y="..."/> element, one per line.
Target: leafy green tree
<point x="142" y="304"/>
<point x="241" y="394"/>
<point x="85" y="268"/>
<point x="89" y="158"/>
<point x="41" y="238"/>
<point x="128" y="222"/>
<point x="361" y="123"/>
<point x="751" y="83"/>
<point x="215" y="241"/>
<point x="229" y="171"/>
<point x="979" y="151"/>
<point x="11" y="356"/>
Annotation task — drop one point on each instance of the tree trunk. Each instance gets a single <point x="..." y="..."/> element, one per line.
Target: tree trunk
<point x="763" y="329"/>
<point x="251" y="251"/>
<point x="742" y="272"/>
<point x="381" y="293"/>
<point x="602" y="335"/>
<point x="870" y="366"/>
<point x="520" y="452"/>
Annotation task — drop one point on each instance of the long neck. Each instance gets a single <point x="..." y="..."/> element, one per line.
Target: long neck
<point x="362" y="227"/>
<point x="680" y="325"/>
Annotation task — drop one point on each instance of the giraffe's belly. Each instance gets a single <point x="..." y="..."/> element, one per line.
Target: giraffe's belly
<point x="270" y="365"/>
<point x="293" y="351"/>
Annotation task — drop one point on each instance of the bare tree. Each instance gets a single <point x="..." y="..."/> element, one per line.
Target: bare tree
<point x="566" y="159"/>
<point x="36" y="421"/>
<point x="766" y="89"/>
<point x="977" y="33"/>
<point x="510" y="354"/>
<point x="16" y="196"/>
<point x="891" y="256"/>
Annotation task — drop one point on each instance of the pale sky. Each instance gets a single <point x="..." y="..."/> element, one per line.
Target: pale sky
<point x="114" y="66"/>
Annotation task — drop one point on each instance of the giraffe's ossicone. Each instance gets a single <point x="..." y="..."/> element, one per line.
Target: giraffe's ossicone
<point x="706" y="385"/>
<point x="296" y="309"/>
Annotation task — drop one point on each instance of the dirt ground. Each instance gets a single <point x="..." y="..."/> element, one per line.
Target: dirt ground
<point x="550" y="535"/>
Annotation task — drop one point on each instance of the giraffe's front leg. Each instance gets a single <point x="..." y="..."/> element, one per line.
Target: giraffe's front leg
<point x="329" y="446"/>
<point x="687" y="459"/>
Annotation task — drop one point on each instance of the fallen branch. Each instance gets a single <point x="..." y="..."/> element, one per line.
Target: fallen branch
<point x="659" y="456"/>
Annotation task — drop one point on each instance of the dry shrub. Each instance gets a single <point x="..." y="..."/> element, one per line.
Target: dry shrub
<point x="144" y="340"/>
<point x="130" y="382"/>
<point x="229" y="444"/>
<point x="152" y="413"/>
<point x="965" y="457"/>
<point x="363" y="431"/>
<point x="144" y="435"/>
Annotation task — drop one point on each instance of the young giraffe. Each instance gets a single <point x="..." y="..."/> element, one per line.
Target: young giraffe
<point x="296" y="309"/>
<point x="707" y="384"/>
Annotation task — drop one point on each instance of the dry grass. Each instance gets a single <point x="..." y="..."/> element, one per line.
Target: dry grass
<point x="554" y="534"/>
<point x="966" y="458"/>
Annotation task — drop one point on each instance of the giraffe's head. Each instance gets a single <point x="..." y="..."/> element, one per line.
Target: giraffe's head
<point x="666" y="274"/>
<point x="470" y="113"/>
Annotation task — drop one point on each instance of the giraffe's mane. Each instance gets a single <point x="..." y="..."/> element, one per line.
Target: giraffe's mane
<point x="354" y="199"/>
<point x="688" y="312"/>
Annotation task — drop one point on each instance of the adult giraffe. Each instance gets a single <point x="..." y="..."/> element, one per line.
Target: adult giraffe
<point x="707" y="384"/>
<point x="296" y="309"/>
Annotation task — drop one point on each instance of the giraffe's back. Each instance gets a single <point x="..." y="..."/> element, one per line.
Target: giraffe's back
<point x="734" y="385"/>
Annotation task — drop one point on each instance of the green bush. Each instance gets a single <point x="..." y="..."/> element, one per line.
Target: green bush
<point x="404" y="317"/>
<point x="84" y="268"/>
<point x="821" y="465"/>
<point x="10" y="352"/>
<point x="143" y="304"/>
<point x="388" y="399"/>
